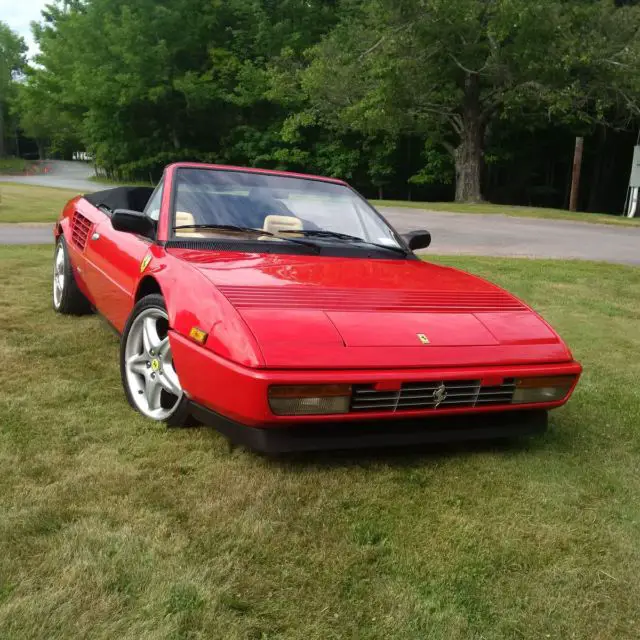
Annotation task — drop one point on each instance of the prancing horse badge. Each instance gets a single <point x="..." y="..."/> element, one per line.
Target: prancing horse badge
<point x="145" y="262"/>
<point x="423" y="338"/>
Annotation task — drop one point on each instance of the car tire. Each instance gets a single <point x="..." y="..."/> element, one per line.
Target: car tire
<point x="67" y="297"/>
<point x="148" y="375"/>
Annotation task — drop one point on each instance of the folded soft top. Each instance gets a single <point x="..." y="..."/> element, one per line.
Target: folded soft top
<point x="134" y="198"/>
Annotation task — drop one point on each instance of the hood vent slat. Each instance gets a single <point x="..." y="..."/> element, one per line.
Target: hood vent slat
<point x="333" y="299"/>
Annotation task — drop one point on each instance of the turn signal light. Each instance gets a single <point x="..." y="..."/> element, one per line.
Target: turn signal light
<point x="542" y="389"/>
<point x="198" y="335"/>
<point x="311" y="399"/>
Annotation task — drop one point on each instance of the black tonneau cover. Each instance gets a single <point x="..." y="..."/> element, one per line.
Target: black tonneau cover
<point x="134" y="198"/>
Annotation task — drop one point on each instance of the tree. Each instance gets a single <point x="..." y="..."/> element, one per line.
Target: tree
<point x="145" y="92"/>
<point x="41" y="116"/>
<point x="12" y="60"/>
<point x="450" y="71"/>
<point x="398" y="96"/>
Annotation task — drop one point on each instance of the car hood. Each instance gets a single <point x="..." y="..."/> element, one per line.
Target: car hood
<point x="345" y="312"/>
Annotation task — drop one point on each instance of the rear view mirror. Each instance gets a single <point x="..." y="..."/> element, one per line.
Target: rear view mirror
<point x="132" y="222"/>
<point x="418" y="239"/>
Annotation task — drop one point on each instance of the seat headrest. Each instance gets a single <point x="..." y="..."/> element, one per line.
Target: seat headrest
<point x="184" y="218"/>
<point x="274" y="223"/>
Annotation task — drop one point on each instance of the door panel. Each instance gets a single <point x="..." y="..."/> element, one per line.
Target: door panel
<point x="113" y="266"/>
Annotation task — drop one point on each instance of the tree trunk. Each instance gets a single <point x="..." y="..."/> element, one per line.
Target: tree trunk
<point x="468" y="167"/>
<point x="40" y="144"/>
<point x="468" y="154"/>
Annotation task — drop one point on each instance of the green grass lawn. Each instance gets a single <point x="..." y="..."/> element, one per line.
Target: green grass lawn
<point x="118" y="183"/>
<point x="511" y="210"/>
<point x="113" y="527"/>
<point x="28" y="203"/>
<point x="13" y="165"/>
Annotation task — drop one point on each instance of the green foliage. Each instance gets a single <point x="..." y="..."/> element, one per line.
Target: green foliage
<point x="448" y="70"/>
<point x="13" y="166"/>
<point x="147" y="81"/>
<point x="12" y="60"/>
<point x="12" y="57"/>
<point x="41" y="117"/>
<point x="342" y="88"/>
<point x="438" y="166"/>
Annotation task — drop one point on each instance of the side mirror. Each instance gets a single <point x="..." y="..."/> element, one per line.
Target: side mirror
<point x="132" y="222"/>
<point x="418" y="239"/>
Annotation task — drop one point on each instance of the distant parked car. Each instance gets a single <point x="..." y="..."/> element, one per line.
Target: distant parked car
<point x="284" y="310"/>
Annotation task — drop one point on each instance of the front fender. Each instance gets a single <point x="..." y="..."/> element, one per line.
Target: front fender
<point x="193" y="301"/>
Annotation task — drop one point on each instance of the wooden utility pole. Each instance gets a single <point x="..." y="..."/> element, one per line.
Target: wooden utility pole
<point x="575" y="176"/>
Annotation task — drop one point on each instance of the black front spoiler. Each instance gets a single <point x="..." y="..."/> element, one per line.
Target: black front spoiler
<point x="365" y="435"/>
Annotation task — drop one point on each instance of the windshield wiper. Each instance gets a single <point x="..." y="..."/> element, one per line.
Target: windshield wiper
<point x="323" y="233"/>
<point x="222" y="227"/>
<point x="233" y="227"/>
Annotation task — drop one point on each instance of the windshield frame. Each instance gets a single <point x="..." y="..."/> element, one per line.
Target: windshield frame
<point x="363" y="248"/>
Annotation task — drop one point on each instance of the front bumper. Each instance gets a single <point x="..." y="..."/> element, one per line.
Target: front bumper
<point x="369" y="435"/>
<point x="240" y="394"/>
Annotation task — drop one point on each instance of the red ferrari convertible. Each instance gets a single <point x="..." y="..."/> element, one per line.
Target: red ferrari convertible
<point x="284" y="310"/>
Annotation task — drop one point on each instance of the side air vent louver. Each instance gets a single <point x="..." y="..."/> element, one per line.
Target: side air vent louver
<point x="440" y="394"/>
<point x="80" y="230"/>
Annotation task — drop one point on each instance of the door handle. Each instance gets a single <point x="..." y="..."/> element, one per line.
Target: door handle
<point x="95" y="236"/>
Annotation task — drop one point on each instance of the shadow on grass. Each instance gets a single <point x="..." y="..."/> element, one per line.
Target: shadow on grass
<point x="406" y="456"/>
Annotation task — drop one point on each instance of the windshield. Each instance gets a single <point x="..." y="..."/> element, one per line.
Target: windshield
<point x="282" y="207"/>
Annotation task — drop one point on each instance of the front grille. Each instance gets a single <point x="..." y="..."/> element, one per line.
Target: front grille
<point x="438" y="394"/>
<point x="80" y="230"/>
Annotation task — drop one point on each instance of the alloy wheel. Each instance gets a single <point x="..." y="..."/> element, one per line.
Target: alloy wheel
<point x="150" y="373"/>
<point x="58" y="276"/>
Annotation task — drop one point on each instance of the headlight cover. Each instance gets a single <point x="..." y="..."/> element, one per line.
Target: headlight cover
<point x="305" y="400"/>
<point x="542" y="389"/>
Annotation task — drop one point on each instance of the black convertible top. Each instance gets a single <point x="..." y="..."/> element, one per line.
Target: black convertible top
<point x="134" y="198"/>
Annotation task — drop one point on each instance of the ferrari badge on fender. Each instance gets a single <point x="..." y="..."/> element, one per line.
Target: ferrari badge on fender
<point x="145" y="262"/>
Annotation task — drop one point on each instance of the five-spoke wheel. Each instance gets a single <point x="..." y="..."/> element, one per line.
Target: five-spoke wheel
<point x="58" y="275"/>
<point x="148" y="372"/>
<point x="151" y="376"/>
<point x="67" y="297"/>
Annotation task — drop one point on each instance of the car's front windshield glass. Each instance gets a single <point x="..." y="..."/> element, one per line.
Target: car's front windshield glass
<point x="280" y="206"/>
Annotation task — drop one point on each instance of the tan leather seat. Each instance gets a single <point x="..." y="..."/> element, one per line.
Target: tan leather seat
<point x="275" y="223"/>
<point x="272" y="224"/>
<point x="186" y="218"/>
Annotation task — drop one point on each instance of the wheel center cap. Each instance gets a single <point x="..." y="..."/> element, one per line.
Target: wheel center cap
<point x="155" y="364"/>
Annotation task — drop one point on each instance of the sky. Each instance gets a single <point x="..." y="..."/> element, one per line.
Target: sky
<point x="18" y="14"/>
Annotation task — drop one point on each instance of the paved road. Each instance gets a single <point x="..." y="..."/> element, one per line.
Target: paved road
<point x="496" y="235"/>
<point x="63" y="174"/>
<point x="26" y="234"/>
<point x="453" y="233"/>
